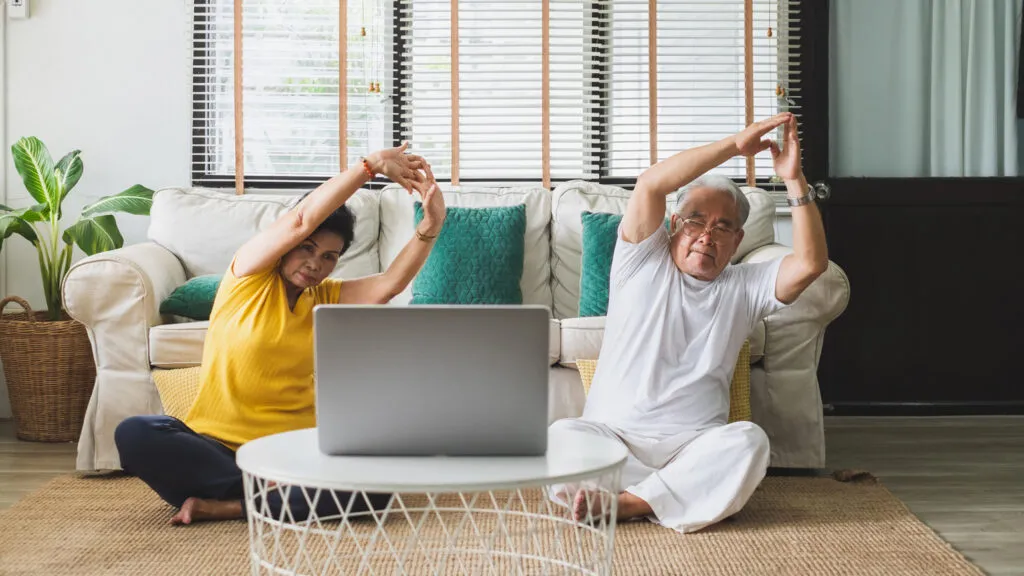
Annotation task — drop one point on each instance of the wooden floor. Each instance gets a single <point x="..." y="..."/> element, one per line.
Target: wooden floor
<point x="24" y="466"/>
<point x="964" y="477"/>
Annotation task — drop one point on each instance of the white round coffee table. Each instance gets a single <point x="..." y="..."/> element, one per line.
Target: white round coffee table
<point x="308" y="513"/>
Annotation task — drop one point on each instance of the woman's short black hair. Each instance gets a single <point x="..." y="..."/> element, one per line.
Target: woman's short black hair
<point x="342" y="222"/>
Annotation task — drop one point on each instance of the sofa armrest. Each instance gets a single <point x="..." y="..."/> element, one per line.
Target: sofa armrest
<point x="823" y="301"/>
<point x="116" y="295"/>
<point x="788" y="404"/>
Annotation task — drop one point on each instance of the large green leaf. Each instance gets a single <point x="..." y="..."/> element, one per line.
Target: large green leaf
<point x="33" y="162"/>
<point x="70" y="170"/>
<point x="136" y="200"/>
<point x="11" y="223"/>
<point x="36" y="213"/>
<point x="95" y="235"/>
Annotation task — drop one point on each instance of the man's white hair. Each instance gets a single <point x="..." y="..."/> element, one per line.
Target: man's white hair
<point x="722" y="184"/>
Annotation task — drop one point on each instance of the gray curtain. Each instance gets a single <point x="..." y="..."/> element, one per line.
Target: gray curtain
<point x="924" y="87"/>
<point x="1020" y="74"/>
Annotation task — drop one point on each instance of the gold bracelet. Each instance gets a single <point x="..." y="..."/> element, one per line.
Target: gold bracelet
<point x="423" y="237"/>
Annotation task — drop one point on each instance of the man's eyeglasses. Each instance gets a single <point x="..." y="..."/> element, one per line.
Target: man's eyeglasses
<point x="696" y="229"/>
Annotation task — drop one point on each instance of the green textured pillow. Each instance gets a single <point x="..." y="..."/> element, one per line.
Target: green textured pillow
<point x="477" y="258"/>
<point x="193" y="299"/>
<point x="599" y="236"/>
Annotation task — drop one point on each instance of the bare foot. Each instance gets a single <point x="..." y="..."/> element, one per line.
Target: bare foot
<point x="590" y="506"/>
<point x="632" y="506"/>
<point x="196" y="509"/>
<point x="629" y="506"/>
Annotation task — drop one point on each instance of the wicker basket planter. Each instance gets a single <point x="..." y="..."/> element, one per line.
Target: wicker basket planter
<point x="50" y="373"/>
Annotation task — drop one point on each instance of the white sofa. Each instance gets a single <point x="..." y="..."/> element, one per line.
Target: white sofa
<point x="117" y="296"/>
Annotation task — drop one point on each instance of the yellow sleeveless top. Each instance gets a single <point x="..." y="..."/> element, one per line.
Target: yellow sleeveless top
<point x="256" y="377"/>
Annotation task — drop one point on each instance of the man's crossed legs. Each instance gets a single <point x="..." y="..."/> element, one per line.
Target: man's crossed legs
<point x="685" y="482"/>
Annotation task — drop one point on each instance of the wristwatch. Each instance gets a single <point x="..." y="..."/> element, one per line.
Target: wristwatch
<point x="805" y="199"/>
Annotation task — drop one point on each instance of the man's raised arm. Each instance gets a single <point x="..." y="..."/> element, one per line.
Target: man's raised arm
<point x="810" y="252"/>
<point x="646" y="208"/>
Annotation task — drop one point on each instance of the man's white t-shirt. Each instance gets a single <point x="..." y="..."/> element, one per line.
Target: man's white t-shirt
<point x="671" y="341"/>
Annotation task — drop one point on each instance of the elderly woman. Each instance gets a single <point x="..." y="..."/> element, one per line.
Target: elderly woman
<point x="257" y="369"/>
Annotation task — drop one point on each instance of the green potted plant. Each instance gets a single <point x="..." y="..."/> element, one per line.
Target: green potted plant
<point x="47" y="358"/>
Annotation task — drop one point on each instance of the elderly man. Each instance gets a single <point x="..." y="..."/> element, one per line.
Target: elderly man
<point x="678" y="315"/>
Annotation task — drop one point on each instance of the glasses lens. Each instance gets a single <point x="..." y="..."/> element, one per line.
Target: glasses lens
<point x="691" y="228"/>
<point x="720" y="234"/>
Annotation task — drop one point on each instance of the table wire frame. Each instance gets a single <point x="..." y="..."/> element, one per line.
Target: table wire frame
<point x="528" y="530"/>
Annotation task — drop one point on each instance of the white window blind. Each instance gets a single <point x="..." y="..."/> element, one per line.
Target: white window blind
<point x="499" y="85"/>
<point x="473" y="98"/>
<point x="290" y="79"/>
<point x="700" y="77"/>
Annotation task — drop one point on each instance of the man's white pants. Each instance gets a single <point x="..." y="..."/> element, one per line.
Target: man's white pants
<point x="691" y="480"/>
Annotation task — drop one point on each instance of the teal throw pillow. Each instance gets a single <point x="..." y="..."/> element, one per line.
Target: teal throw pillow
<point x="193" y="299"/>
<point x="600" y="231"/>
<point x="476" y="259"/>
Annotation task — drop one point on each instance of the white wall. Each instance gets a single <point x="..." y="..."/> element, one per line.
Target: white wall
<point x="108" y="77"/>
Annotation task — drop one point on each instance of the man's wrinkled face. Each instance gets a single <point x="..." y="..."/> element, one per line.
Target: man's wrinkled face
<point x="705" y="233"/>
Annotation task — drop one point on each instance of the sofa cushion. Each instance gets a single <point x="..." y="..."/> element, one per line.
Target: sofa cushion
<point x="568" y="202"/>
<point x="177" y="345"/>
<point x="598" y="248"/>
<point x="600" y="231"/>
<point x="181" y="345"/>
<point x="396" y="229"/>
<point x="193" y="299"/>
<point x="581" y="338"/>
<point x="205" y="227"/>
<point x="554" y="341"/>
<point x="476" y="259"/>
<point x="178" y="389"/>
<point x="759" y="229"/>
<point x="571" y="199"/>
<point x="739" y="386"/>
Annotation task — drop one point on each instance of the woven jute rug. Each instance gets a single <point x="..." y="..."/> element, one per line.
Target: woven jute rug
<point x="792" y="525"/>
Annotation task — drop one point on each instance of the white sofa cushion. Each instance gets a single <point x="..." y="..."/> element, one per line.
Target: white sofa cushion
<point x="570" y="199"/>
<point x="396" y="228"/>
<point x="581" y="339"/>
<point x="177" y="345"/>
<point x="554" y="342"/>
<point x="568" y="202"/>
<point x="759" y="229"/>
<point x="181" y="345"/>
<point x="204" y="227"/>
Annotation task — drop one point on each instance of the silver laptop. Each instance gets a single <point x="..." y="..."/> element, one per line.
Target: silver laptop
<point x="431" y="380"/>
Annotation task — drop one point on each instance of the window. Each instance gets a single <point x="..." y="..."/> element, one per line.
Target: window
<point x="500" y="88"/>
<point x="544" y="91"/>
<point x="290" y="101"/>
<point x="700" y="78"/>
